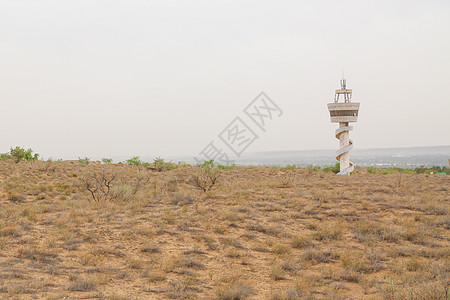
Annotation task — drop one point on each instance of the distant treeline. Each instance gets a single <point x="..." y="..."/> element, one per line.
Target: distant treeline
<point x="419" y="170"/>
<point x="372" y="170"/>
<point x="21" y="154"/>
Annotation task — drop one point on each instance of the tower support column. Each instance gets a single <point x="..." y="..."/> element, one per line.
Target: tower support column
<point x="344" y="142"/>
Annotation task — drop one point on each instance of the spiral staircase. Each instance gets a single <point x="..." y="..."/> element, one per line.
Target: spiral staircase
<point x="344" y="150"/>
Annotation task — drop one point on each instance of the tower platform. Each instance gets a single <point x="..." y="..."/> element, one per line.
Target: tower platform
<point x="343" y="111"/>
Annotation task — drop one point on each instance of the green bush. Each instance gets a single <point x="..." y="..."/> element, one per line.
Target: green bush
<point x="134" y="161"/>
<point x="335" y="169"/>
<point x="207" y="178"/>
<point x="107" y="160"/>
<point x="5" y="156"/>
<point x="311" y="168"/>
<point x="84" y="161"/>
<point x="160" y="165"/>
<point x="371" y="170"/>
<point x="231" y="167"/>
<point x="19" y="154"/>
<point x="288" y="168"/>
<point x="207" y="163"/>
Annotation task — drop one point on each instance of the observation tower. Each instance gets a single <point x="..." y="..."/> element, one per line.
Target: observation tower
<point x="343" y="113"/>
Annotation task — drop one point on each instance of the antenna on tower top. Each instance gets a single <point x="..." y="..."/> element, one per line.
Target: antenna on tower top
<point x="343" y="81"/>
<point x="343" y="84"/>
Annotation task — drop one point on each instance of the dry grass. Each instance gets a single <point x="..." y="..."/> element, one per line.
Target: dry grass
<point x="263" y="233"/>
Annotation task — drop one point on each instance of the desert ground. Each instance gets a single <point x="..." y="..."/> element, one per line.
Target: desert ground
<point x="70" y="230"/>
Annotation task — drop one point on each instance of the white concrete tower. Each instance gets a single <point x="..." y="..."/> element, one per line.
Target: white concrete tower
<point x="344" y="113"/>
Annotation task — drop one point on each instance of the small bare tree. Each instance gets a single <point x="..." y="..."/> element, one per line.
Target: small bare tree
<point x="141" y="181"/>
<point x="105" y="185"/>
<point x="207" y="178"/>
<point x="99" y="184"/>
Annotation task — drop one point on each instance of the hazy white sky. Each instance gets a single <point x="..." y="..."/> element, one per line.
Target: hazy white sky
<point x="122" y="78"/>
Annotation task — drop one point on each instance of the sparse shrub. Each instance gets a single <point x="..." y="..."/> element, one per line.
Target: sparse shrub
<point x="259" y="228"/>
<point x="299" y="242"/>
<point x="420" y="290"/>
<point x="89" y="259"/>
<point x="169" y="218"/>
<point x="367" y="231"/>
<point x="160" y="165"/>
<point x="82" y="286"/>
<point x="172" y="185"/>
<point x="180" y="262"/>
<point x="150" y="248"/>
<point x="430" y="290"/>
<point x="84" y="161"/>
<point x="236" y="291"/>
<point x="210" y="243"/>
<point x="154" y="275"/>
<point x="141" y="180"/>
<point x="290" y="294"/>
<point x="317" y="256"/>
<point x="312" y="226"/>
<point x="233" y="253"/>
<point x="371" y="170"/>
<point x="135" y="263"/>
<point x="289" y="265"/>
<point x="281" y="249"/>
<point x="333" y="232"/>
<point x="207" y="178"/>
<point x="134" y="161"/>
<point x="312" y="169"/>
<point x="289" y="167"/>
<point x="15" y="196"/>
<point x="413" y="265"/>
<point x="277" y="273"/>
<point x="99" y="185"/>
<point x="220" y="229"/>
<point x="45" y="166"/>
<point x="231" y="167"/>
<point x="288" y="180"/>
<point x="178" y="290"/>
<point x="232" y="216"/>
<point x="181" y="199"/>
<point x="30" y="214"/>
<point x="33" y="253"/>
<point x="103" y="185"/>
<point x="350" y="275"/>
<point x="9" y="231"/>
<point x="335" y="169"/>
<point x="414" y="236"/>
<point x="5" y="156"/>
<point x="107" y="160"/>
<point x="362" y="264"/>
<point x="402" y="251"/>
